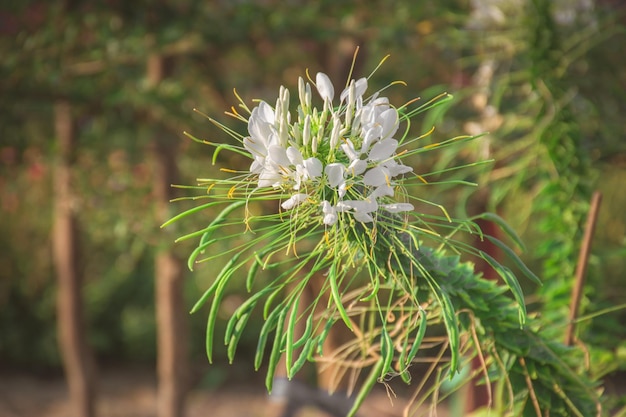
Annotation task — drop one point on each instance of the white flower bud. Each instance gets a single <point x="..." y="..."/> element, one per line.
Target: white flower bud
<point x="324" y="87"/>
<point x="302" y="94"/>
<point x="306" y="130"/>
<point x="294" y="200"/>
<point x="398" y="207"/>
<point x="334" y="136"/>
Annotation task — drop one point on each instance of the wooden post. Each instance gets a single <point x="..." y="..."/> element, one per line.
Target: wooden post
<point x="77" y="357"/>
<point x="172" y="333"/>
<point x="581" y="267"/>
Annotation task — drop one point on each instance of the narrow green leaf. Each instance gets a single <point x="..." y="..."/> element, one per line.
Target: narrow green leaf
<point x="302" y="359"/>
<point x="367" y="386"/>
<point x="258" y="262"/>
<point x="323" y="335"/>
<point x="224" y="274"/>
<point x="518" y="262"/>
<point x="226" y="146"/>
<point x="245" y="308"/>
<point x="213" y="312"/>
<point x="306" y="335"/>
<point x="405" y="348"/>
<point x="268" y="326"/>
<point x="492" y="217"/>
<point x="421" y="331"/>
<point x="206" y="240"/>
<point x="268" y="303"/>
<point x="511" y="282"/>
<point x="334" y="289"/>
<point x="190" y="211"/>
<point x="251" y="274"/>
<point x="452" y="327"/>
<point x="276" y="350"/>
<point x="376" y="284"/>
<point x="197" y="251"/>
<point x="236" y="335"/>
<point x="386" y="352"/>
<point x="291" y="327"/>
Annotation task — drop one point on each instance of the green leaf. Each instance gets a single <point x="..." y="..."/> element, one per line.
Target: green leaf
<point x="306" y="335"/>
<point x="213" y="312"/>
<point x="252" y="271"/>
<point x="276" y="350"/>
<point x="386" y="352"/>
<point x="242" y="310"/>
<point x="513" y="257"/>
<point x="291" y="327"/>
<point x="334" y="289"/>
<point x="190" y="211"/>
<point x="308" y="348"/>
<point x="492" y="217"/>
<point x="322" y="337"/>
<point x="367" y="386"/>
<point x="197" y="252"/>
<point x="452" y="328"/>
<point x="206" y="240"/>
<point x="268" y="326"/>
<point x="511" y="282"/>
<point x="421" y="331"/>
<point x="224" y="275"/>
<point x="236" y="335"/>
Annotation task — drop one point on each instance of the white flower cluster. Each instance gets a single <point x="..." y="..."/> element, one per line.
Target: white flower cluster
<point x="341" y="158"/>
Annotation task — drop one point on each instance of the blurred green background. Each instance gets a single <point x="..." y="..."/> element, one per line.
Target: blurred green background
<point x="546" y="79"/>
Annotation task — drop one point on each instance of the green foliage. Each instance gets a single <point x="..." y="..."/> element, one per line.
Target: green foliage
<point x="543" y="374"/>
<point x="380" y="277"/>
<point x="95" y="56"/>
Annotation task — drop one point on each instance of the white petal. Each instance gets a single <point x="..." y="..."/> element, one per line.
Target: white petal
<point x="313" y="167"/>
<point x="357" y="167"/>
<point x="348" y="149"/>
<point x="330" y="219"/>
<point x="269" y="178"/>
<point x="278" y="156"/>
<point x="294" y="201"/>
<point x="343" y="206"/>
<point x="370" y="135"/>
<point x="389" y="121"/>
<point x="294" y="156"/>
<point x="363" y="217"/>
<point x="259" y="130"/>
<point x="376" y="176"/>
<point x="330" y="214"/>
<point x="324" y="86"/>
<point x="256" y="147"/>
<point x="382" y="190"/>
<point x="343" y="188"/>
<point x="368" y="205"/>
<point x="383" y="149"/>
<point x="257" y="165"/>
<point x="346" y="91"/>
<point x="265" y="112"/>
<point x="360" y="86"/>
<point x="398" y="207"/>
<point x="273" y="139"/>
<point x="380" y="103"/>
<point x="396" y="168"/>
<point x="334" y="173"/>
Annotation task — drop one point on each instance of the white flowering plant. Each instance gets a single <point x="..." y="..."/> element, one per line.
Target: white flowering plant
<point x="330" y="194"/>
